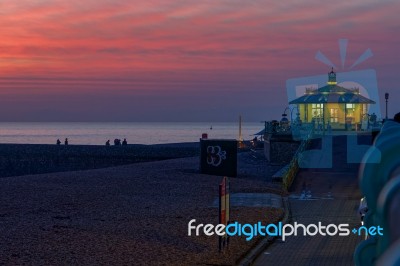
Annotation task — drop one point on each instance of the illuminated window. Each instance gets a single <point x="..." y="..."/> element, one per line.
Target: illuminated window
<point x="317" y="110"/>
<point x="350" y="108"/>
<point x="334" y="112"/>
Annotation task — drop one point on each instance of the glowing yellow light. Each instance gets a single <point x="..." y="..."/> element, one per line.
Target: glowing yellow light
<point x="332" y="82"/>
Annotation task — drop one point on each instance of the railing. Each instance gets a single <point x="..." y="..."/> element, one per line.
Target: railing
<point x="302" y="129"/>
<point x="381" y="187"/>
<point x="287" y="128"/>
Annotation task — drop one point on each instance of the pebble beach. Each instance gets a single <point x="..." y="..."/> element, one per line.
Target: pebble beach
<point x="134" y="214"/>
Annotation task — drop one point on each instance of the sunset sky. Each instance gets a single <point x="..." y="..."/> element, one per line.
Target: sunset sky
<point x="203" y="60"/>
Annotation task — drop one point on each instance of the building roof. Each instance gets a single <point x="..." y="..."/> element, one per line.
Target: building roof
<point x="332" y="93"/>
<point x="348" y="97"/>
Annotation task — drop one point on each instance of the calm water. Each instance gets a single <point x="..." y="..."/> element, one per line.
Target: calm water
<point x="138" y="133"/>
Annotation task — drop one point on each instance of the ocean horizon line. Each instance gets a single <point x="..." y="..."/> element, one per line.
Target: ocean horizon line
<point x="97" y="133"/>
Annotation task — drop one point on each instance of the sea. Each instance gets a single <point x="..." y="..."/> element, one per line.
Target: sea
<point x="94" y="133"/>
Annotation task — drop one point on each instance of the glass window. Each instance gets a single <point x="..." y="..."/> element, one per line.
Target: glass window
<point x="334" y="115"/>
<point x="317" y="110"/>
<point x="350" y="112"/>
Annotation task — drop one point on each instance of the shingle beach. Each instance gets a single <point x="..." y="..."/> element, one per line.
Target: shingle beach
<point x="133" y="214"/>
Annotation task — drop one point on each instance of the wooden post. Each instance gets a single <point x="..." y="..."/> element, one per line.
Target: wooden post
<point x="240" y="129"/>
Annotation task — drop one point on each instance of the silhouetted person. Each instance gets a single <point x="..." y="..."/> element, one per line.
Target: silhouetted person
<point x="117" y="142"/>
<point x="66" y="141"/>
<point x="372" y="119"/>
<point x="58" y="142"/>
<point x="254" y="142"/>
<point x="124" y="142"/>
<point x="108" y="143"/>
<point x="396" y="118"/>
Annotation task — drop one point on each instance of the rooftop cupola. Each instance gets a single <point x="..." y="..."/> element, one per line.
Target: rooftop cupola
<point x="332" y="78"/>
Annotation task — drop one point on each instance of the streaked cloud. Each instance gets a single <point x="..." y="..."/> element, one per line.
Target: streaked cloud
<point x="76" y="48"/>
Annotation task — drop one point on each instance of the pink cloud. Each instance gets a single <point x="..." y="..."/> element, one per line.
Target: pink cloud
<point x="183" y="46"/>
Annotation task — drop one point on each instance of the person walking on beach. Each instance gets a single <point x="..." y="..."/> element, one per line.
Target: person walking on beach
<point x="66" y="141"/>
<point x="58" y="142"/>
<point x="124" y="142"/>
<point x="108" y="143"/>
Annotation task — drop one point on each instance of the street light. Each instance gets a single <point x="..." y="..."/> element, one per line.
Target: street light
<point x="386" y="98"/>
<point x="284" y="115"/>
<point x="297" y="114"/>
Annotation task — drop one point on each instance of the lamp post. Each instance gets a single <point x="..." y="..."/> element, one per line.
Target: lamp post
<point x="284" y="115"/>
<point x="386" y="98"/>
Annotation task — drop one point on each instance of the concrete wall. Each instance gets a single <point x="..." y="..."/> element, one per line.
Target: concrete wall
<point x="279" y="149"/>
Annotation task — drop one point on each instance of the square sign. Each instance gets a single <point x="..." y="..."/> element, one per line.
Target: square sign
<point x="218" y="157"/>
